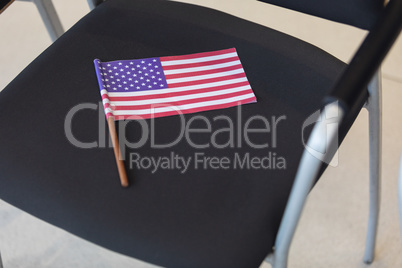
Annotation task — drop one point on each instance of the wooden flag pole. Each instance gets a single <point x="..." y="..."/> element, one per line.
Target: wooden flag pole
<point x="117" y="152"/>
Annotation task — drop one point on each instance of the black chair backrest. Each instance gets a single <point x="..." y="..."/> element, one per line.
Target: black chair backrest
<point x="359" y="13"/>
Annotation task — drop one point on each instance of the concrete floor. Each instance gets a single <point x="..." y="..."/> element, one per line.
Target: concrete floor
<point x="333" y="226"/>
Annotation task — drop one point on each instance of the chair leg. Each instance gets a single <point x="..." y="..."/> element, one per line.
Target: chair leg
<point x="321" y="138"/>
<point x="374" y="108"/>
<point x="50" y="18"/>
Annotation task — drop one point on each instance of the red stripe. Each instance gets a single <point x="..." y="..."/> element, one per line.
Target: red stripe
<point x="194" y="110"/>
<point x="219" y="70"/>
<point x="205" y="81"/>
<point x="182" y="102"/>
<point x="199" y="64"/>
<point x="182" y="93"/>
<point x="198" y="55"/>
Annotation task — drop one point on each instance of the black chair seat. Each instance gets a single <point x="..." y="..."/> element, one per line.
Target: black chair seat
<point x="204" y="217"/>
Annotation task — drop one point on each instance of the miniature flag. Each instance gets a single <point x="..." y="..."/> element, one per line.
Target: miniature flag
<point x="164" y="86"/>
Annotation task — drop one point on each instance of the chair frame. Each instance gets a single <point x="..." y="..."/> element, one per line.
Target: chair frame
<point x="365" y="66"/>
<point x="49" y="17"/>
<point x="344" y="95"/>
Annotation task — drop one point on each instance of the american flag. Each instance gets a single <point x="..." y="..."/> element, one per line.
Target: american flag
<point x="164" y="86"/>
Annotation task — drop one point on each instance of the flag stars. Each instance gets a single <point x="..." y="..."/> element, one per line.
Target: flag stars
<point x="123" y="76"/>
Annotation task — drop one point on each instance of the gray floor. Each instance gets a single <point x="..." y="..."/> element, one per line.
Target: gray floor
<point x="332" y="230"/>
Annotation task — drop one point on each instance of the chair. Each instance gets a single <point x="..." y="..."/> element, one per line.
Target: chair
<point x="205" y="216"/>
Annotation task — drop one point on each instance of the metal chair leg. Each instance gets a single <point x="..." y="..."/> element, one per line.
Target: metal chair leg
<point x="322" y="138"/>
<point x="374" y="108"/>
<point x="50" y="18"/>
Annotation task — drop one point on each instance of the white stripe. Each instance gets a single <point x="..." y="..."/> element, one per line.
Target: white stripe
<point x="195" y="60"/>
<point x="183" y="107"/>
<point x="108" y="110"/>
<point x="202" y="77"/>
<point x="202" y="68"/>
<point x="180" y="98"/>
<point x="176" y="89"/>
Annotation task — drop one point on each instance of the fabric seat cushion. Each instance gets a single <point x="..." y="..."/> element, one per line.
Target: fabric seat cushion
<point x="203" y="217"/>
